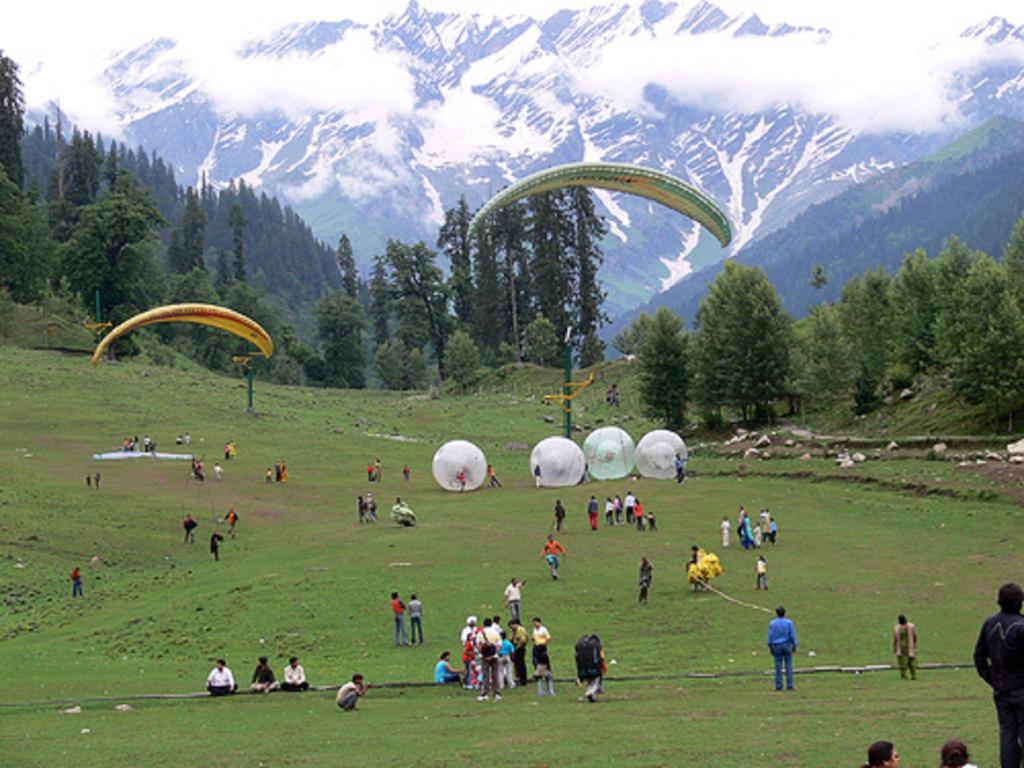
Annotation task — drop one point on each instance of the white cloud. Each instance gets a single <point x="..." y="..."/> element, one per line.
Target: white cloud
<point x="885" y="87"/>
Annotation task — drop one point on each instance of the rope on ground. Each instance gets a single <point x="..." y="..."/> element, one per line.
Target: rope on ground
<point x="399" y="684"/>
<point x="720" y="593"/>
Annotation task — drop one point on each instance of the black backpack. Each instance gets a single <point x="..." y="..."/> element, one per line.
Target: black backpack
<point x="588" y="657"/>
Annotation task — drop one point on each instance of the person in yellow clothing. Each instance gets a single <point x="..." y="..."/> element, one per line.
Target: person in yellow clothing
<point x="553" y="552"/>
<point x="284" y="472"/>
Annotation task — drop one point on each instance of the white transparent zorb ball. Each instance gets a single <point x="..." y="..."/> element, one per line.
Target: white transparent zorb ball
<point x="459" y="456"/>
<point x="560" y="460"/>
<point x="656" y="454"/>
<point x="609" y="452"/>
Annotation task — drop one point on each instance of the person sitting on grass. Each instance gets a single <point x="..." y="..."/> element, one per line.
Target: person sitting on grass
<point x="350" y="692"/>
<point x="263" y="679"/>
<point x="294" y="677"/>
<point x="882" y="754"/>
<point x="444" y="672"/>
<point x="954" y="755"/>
<point x="220" y="681"/>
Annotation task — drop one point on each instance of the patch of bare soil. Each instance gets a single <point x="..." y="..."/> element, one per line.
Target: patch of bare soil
<point x="1009" y="476"/>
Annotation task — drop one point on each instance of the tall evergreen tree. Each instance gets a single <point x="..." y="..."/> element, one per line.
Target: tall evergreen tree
<point x="26" y="248"/>
<point x="664" y="369"/>
<point x="509" y="240"/>
<point x="453" y="242"/>
<point x="347" y="267"/>
<point x="12" y="121"/>
<point x="192" y="235"/>
<point x="381" y="300"/>
<point x="489" y="296"/>
<point x="744" y="341"/>
<point x="1013" y="261"/>
<point x="421" y="299"/>
<point x="237" y="222"/>
<point x="339" y="326"/>
<point x="587" y="231"/>
<point x="549" y="229"/>
<point x="82" y="170"/>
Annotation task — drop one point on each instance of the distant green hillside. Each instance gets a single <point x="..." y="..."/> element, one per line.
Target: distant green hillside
<point x="973" y="188"/>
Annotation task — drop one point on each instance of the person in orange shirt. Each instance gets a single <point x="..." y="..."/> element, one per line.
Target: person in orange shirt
<point x="398" y="607"/>
<point x="232" y="519"/>
<point x="553" y="552"/>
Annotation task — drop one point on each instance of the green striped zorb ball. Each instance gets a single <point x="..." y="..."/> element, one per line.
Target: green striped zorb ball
<point x="609" y="452"/>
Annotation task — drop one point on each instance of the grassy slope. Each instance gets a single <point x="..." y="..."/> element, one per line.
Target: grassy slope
<point x="304" y="578"/>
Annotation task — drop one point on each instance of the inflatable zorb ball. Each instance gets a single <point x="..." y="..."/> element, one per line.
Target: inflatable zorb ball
<point x="560" y="460"/>
<point x="609" y="453"/>
<point x="455" y="457"/>
<point x="656" y="454"/>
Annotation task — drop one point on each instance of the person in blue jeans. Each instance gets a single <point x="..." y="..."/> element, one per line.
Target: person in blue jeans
<point x="782" y="644"/>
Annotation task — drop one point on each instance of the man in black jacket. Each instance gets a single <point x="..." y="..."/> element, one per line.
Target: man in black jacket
<point x="999" y="659"/>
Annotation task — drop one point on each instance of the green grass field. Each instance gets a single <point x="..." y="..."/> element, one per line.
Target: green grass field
<point x="304" y="578"/>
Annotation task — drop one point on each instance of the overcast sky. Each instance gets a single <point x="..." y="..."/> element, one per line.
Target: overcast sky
<point x="885" y="66"/>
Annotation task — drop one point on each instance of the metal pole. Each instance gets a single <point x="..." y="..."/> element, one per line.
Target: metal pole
<point x="566" y="389"/>
<point x="249" y="376"/>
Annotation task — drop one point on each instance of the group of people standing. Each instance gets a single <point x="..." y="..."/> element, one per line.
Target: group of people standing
<point x="752" y="534"/>
<point x="279" y="474"/>
<point x="615" y="509"/>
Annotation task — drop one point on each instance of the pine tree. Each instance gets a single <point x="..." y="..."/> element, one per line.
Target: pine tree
<point x="347" y="267"/>
<point x="339" y="327"/>
<point x="453" y="242"/>
<point x="664" y="369"/>
<point x="543" y="346"/>
<point x="225" y="274"/>
<point x="237" y="222"/>
<point x="463" y="358"/>
<point x="82" y="170"/>
<point x="549" y="229"/>
<point x="421" y="299"/>
<point x="743" y="343"/>
<point x="489" y="300"/>
<point x="381" y="300"/>
<point x="12" y="124"/>
<point x="587" y="231"/>
<point x="192" y="235"/>
<point x="1013" y="261"/>
<point x="26" y="248"/>
<point x="509" y="236"/>
<point x="630" y="339"/>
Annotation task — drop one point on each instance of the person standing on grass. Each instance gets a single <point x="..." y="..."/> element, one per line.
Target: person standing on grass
<point x="904" y="646"/>
<point x="725" y="526"/>
<point x="371" y="508"/>
<point x="506" y="652"/>
<point x="218" y="471"/>
<point x="190" y="525"/>
<point x="220" y="681"/>
<point x="76" y="582"/>
<point x="406" y="473"/>
<point x="638" y="513"/>
<point x="680" y="468"/>
<point x="542" y="659"/>
<point x="646" y="577"/>
<point x="487" y="644"/>
<point x="762" y="573"/>
<point x="416" y="618"/>
<point x="513" y="596"/>
<point x="96" y="480"/>
<point x="592" y="513"/>
<point x="492" y="477"/>
<point x="88" y="482"/>
<point x="215" y="541"/>
<point x="590" y="664"/>
<point x="232" y="519"/>
<point x="630" y="507"/>
<point x="999" y="659"/>
<point x="378" y="470"/>
<point x="263" y="678"/>
<point x="398" y="608"/>
<point x="349" y="693"/>
<point x="361" y="506"/>
<point x="553" y="552"/>
<point x="559" y="515"/>
<point x="609" y="511"/>
<point x="618" y="510"/>
<point x="294" y="677"/>
<point x="782" y="644"/>
<point x="520" y="639"/>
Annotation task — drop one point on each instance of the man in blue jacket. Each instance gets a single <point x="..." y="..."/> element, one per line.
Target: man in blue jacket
<point x="999" y="659"/>
<point x="782" y="644"/>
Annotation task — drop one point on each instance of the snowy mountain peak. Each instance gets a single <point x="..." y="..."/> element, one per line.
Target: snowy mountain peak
<point x="374" y="130"/>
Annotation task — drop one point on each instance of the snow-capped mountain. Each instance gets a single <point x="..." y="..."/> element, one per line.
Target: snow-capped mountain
<point x="476" y="101"/>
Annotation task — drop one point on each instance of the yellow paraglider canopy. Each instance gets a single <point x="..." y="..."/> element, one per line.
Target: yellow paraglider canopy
<point x="203" y="314"/>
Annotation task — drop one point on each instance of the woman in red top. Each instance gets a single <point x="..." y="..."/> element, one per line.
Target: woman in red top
<point x="76" y="583"/>
<point x="638" y="511"/>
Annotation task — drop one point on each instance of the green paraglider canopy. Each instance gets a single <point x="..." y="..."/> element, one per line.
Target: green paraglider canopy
<point x="660" y="187"/>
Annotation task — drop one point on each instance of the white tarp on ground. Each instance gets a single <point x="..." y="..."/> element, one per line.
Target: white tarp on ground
<point x="609" y="452"/>
<point x="459" y="456"/>
<point x="656" y="454"/>
<point x="560" y="460"/>
<point x="121" y="455"/>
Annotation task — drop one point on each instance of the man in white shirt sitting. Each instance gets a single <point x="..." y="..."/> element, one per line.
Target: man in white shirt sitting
<point x="294" y="676"/>
<point x="220" y="681"/>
